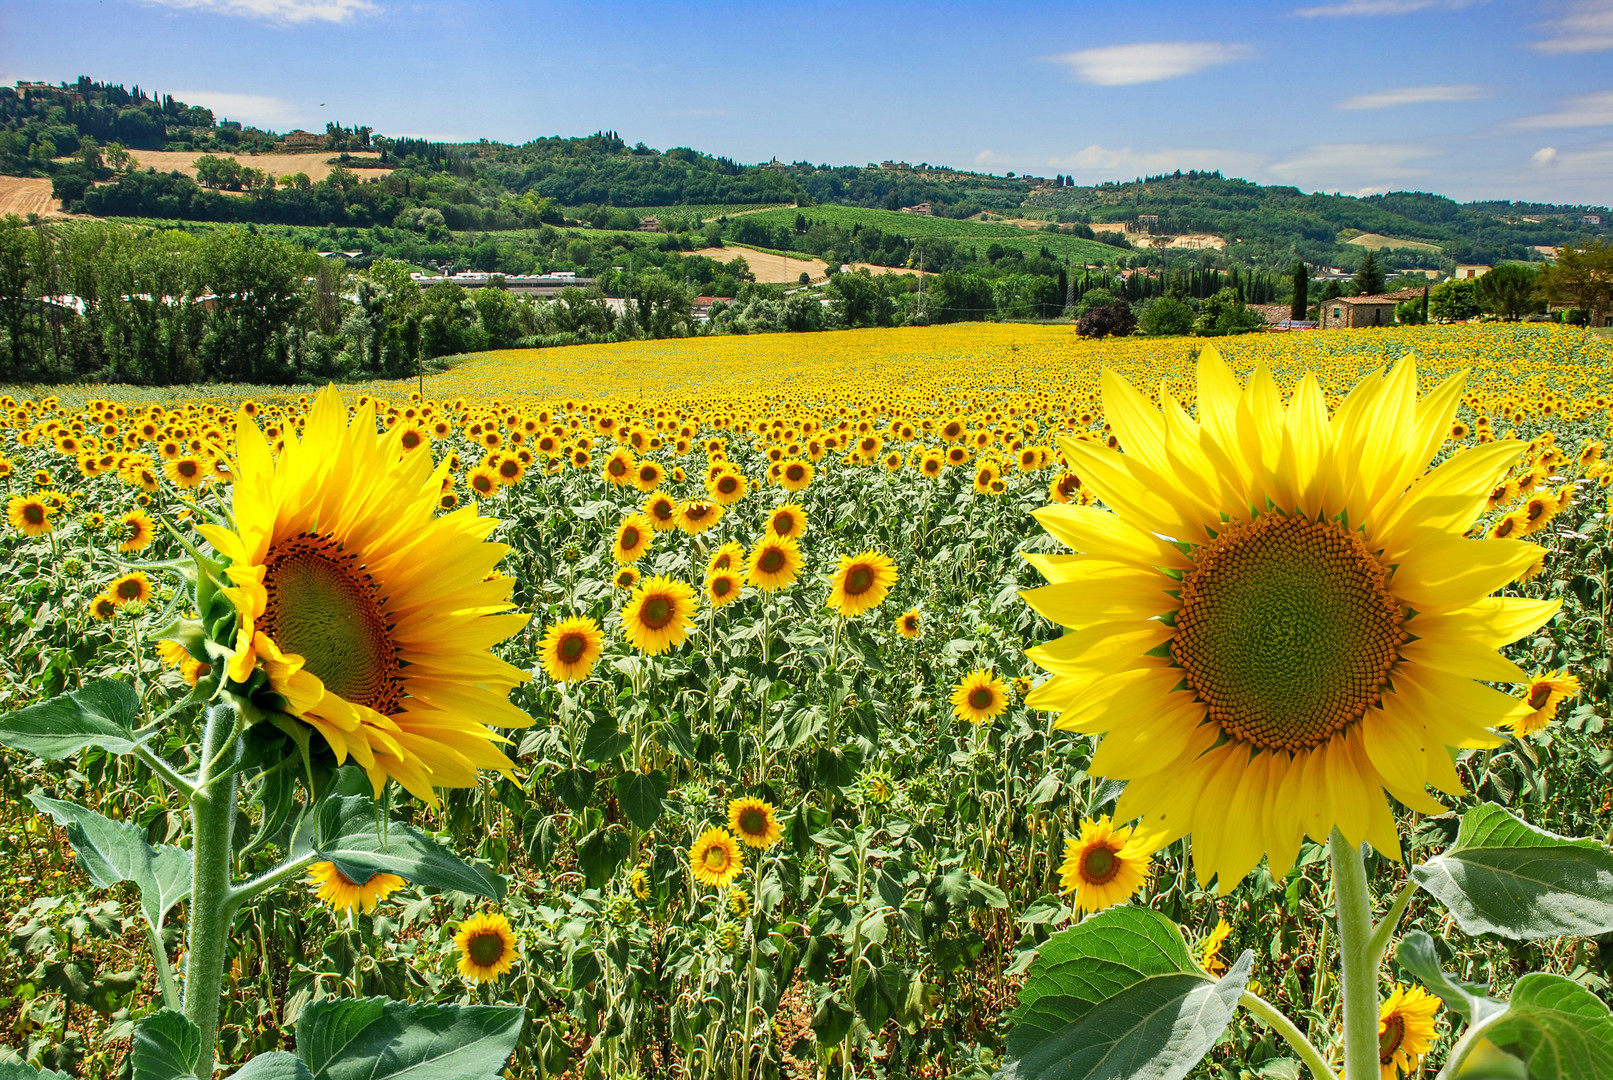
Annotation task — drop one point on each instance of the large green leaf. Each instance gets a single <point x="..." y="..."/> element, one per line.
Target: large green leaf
<point x="276" y="1066"/>
<point x="1118" y="996"/>
<point x="378" y="1039"/>
<point x="640" y="795"/>
<point x="102" y="713"/>
<point x="1504" y="876"/>
<point x="166" y="1046"/>
<point x="17" y="1070"/>
<point x="352" y="833"/>
<point x="113" y="851"/>
<point x="1559" y="1028"/>
<point x="1416" y="954"/>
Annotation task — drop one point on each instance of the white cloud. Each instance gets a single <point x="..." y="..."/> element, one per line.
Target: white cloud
<point x="259" y="110"/>
<point x="1544" y="156"/>
<point x="280" y="11"/>
<point x="1125" y="65"/>
<point x="1106" y="163"/>
<point x="1361" y="167"/>
<point x="1586" y="28"/>
<point x="1381" y="7"/>
<point x="1587" y="110"/>
<point x="1412" y="95"/>
<point x="988" y="157"/>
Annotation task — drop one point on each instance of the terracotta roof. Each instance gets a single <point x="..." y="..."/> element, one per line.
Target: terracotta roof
<point x="1381" y="298"/>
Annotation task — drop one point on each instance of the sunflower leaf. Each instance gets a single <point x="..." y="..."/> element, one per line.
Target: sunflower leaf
<point x="378" y="1039"/>
<point x="166" y="1046"/>
<point x="113" y="851"/>
<point x="1558" y="1028"/>
<point x="640" y="795"/>
<point x="348" y="833"/>
<point x="275" y="1066"/>
<point x="102" y="714"/>
<point x="1118" y="995"/>
<point x="1504" y="876"/>
<point x="1417" y="955"/>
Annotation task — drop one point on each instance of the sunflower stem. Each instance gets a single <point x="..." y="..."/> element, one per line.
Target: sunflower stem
<point x="1273" y="1018"/>
<point x="212" y="809"/>
<point x="1391" y="919"/>
<point x="1358" y="964"/>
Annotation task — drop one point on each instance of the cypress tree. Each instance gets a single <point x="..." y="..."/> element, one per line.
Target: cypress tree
<point x="1302" y="286"/>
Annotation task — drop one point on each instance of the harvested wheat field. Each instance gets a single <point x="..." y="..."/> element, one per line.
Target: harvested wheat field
<point x="771" y="269"/>
<point x="24" y="195"/>
<point x="317" y="165"/>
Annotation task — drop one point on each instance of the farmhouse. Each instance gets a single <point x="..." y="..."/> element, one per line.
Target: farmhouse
<point x="1590" y="219"/>
<point x="302" y="140"/>
<point x="1470" y="271"/>
<point x="1352" y="312"/>
<point x="922" y="209"/>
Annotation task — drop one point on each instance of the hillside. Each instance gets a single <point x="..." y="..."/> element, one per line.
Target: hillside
<point x="92" y="141"/>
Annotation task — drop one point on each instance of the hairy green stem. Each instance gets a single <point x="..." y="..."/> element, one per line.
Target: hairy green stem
<point x="1391" y="919"/>
<point x="212" y="810"/>
<point x="165" y="970"/>
<point x="1358" y="964"/>
<point x="1269" y="1015"/>
<point x="174" y="778"/>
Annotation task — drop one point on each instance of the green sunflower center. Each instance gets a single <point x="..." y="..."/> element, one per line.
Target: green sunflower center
<point x="485" y="950"/>
<point x="859" y="580"/>
<point x="657" y="612"/>
<point x="981" y="698"/>
<point x="717" y="857"/>
<point x="324" y="607"/>
<point x="753" y="821"/>
<point x="1287" y="631"/>
<point x="1099" y="865"/>
<point x="772" y="561"/>
<point x="571" y="648"/>
<point x="1389" y="1040"/>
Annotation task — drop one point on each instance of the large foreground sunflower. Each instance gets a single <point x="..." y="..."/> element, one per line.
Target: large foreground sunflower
<point x="371" y="616"/>
<point x="1281" y="618"/>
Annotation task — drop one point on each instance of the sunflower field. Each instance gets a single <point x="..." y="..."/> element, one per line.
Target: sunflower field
<point x="960" y="701"/>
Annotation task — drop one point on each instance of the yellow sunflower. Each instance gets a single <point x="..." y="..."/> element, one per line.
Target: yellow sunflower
<point x="633" y="539"/>
<point x="188" y="472"/>
<point x="661" y="510"/>
<point x="103" y="607"/>
<point x="658" y="615"/>
<point x="570" y="648"/>
<point x="979" y="697"/>
<point x="137" y="531"/>
<point x="131" y="588"/>
<point x="372" y="616"/>
<point x="861" y="582"/>
<point x="695" y="516"/>
<point x="626" y="577"/>
<point x="486" y="945"/>
<point x="730" y="556"/>
<point x="774" y="563"/>
<point x="1209" y="952"/>
<point x="754" y="822"/>
<point x="1105" y="866"/>
<point x="341" y="893"/>
<point x="1405" y="1030"/>
<point x="795" y="475"/>
<point x="619" y="467"/>
<point x="727" y="487"/>
<point x="483" y="482"/>
<point x="788" y="521"/>
<point x="714" y="859"/>
<point x="1543" y="694"/>
<point x="1281" y="618"/>
<point x="723" y="587"/>
<point x="647" y="475"/>
<point x="907" y="624"/>
<point x="29" y="515"/>
<point x="174" y="655"/>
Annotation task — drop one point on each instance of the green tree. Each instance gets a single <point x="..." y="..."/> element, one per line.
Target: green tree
<point x="1510" y="291"/>
<point x="1165" y="316"/>
<point x="1224" y="313"/>
<point x="1302" y="285"/>
<point x="1368" y="280"/>
<point x="959" y="296"/>
<point x="257" y="288"/>
<point x="1582" y="275"/>
<point x="857" y="300"/>
<point x="1453" y="301"/>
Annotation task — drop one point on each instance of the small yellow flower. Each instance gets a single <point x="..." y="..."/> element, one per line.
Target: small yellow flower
<point x="486" y="947"/>
<point x="342" y="893"/>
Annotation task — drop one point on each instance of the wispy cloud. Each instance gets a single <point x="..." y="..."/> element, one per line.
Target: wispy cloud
<point x="1360" y="168"/>
<point x="989" y="157"/>
<point x="1109" y="162"/>
<point x="1412" y="95"/>
<point x="1347" y="8"/>
<point x="1588" y="27"/>
<point x="1544" y="156"/>
<point x="259" y="110"/>
<point x="1125" y="65"/>
<point x="280" y="11"/>
<point x="1587" y="110"/>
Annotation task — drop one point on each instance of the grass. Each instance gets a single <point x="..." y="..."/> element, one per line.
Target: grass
<point x="979" y="233"/>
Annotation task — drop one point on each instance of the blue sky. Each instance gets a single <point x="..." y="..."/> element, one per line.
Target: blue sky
<point x="1469" y="98"/>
